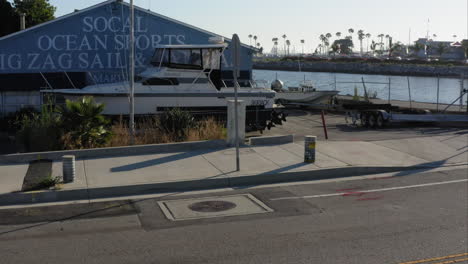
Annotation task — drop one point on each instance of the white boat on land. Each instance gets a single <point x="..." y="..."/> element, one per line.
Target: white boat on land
<point x="181" y="76"/>
<point x="305" y="94"/>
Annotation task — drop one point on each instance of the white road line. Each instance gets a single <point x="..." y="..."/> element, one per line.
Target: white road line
<point x="369" y="191"/>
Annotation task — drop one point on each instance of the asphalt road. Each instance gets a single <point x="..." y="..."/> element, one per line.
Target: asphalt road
<point x="308" y="122"/>
<point x="400" y="219"/>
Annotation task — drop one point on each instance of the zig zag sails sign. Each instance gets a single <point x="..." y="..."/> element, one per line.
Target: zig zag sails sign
<point x="96" y="40"/>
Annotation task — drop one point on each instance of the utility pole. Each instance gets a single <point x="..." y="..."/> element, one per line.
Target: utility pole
<point x="132" y="73"/>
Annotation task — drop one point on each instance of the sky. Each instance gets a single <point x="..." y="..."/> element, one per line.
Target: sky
<point x="307" y="19"/>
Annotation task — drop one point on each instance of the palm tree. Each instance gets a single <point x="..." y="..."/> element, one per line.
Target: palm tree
<point x="284" y="38"/>
<point x="275" y="45"/>
<point x="368" y="36"/>
<point x="288" y="43"/>
<point x="328" y="36"/>
<point x="322" y="38"/>
<point x="381" y="36"/>
<point x="373" y="47"/>
<point x="250" y="39"/>
<point x="361" y="37"/>
<point x="255" y="40"/>
<point x="351" y="32"/>
<point x="84" y="122"/>
<point x="454" y="38"/>
<point x="388" y="39"/>
<point x="302" y="42"/>
<point x="434" y="36"/>
<point x="327" y="45"/>
<point x="338" y="34"/>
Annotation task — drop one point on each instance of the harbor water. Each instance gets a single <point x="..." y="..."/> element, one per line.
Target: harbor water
<point x="423" y="89"/>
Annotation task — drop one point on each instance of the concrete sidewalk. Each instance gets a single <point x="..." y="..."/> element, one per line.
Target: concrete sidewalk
<point x="214" y="168"/>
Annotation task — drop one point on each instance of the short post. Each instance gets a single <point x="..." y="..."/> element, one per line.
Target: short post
<point x="68" y="164"/>
<point x="310" y="145"/>
<point x="231" y="128"/>
<point x="324" y="124"/>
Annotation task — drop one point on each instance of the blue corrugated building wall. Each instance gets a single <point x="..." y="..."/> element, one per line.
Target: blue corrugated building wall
<point x="91" y="46"/>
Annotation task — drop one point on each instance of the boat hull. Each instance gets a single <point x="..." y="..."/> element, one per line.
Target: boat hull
<point x="304" y="97"/>
<point x="118" y="104"/>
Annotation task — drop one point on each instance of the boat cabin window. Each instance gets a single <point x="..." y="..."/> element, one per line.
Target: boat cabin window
<point x="211" y="59"/>
<point x="188" y="58"/>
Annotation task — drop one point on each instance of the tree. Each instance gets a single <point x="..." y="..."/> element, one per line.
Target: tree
<point x="351" y="32"/>
<point x="37" y="11"/>
<point x="345" y="46"/>
<point x="250" y="39"/>
<point x="302" y="42"/>
<point x="322" y="39"/>
<point x="361" y="37"/>
<point x="84" y="124"/>
<point x="388" y="41"/>
<point x="335" y="48"/>
<point x="284" y="39"/>
<point x="275" y="46"/>
<point x="9" y="19"/>
<point x="255" y="40"/>
<point x="368" y="36"/>
<point x="288" y="43"/>
<point x="338" y="34"/>
<point x="381" y="36"/>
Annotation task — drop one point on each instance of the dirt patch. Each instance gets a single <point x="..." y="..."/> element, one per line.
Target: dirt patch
<point x="39" y="173"/>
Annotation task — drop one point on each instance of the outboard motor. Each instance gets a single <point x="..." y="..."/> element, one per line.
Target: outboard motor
<point x="277" y="85"/>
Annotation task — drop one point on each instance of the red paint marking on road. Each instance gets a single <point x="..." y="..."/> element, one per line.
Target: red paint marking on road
<point x="353" y="194"/>
<point x="370" y="198"/>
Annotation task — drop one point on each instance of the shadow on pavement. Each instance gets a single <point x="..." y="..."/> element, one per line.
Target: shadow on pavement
<point x="159" y="161"/>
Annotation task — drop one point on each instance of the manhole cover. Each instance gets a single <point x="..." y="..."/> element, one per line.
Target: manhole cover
<point x="208" y="207"/>
<point x="212" y="206"/>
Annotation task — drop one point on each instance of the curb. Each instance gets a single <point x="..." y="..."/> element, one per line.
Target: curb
<point x="271" y="140"/>
<point x="193" y="185"/>
<point x="114" y="151"/>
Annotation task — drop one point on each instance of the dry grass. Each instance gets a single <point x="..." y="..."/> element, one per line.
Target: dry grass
<point x="148" y="132"/>
<point x="207" y="129"/>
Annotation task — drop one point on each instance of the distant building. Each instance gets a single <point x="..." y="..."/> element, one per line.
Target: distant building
<point x="452" y="50"/>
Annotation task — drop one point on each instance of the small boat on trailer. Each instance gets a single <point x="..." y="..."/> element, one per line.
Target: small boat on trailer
<point x="304" y="95"/>
<point x="187" y="77"/>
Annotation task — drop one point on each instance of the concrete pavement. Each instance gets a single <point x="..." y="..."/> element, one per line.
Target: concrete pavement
<point x="402" y="225"/>
<point x="215" y="168"/>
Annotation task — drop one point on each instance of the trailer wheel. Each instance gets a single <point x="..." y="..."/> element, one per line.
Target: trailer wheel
<point x="380" y="121"/>
<point x="372" y="120"/>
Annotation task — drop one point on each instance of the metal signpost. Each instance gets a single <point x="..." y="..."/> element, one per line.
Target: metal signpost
<point x="132" y="73"/>
<point x="236" y="60"/>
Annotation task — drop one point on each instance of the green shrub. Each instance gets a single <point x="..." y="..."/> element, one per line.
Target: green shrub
<point x="40" y="132"/>
<point x="176" y="123"/>
<point x="11" y="123"/>
<point x="84" y="125"/>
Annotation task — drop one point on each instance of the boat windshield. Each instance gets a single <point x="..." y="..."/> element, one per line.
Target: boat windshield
<point x="188" y="58"/>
